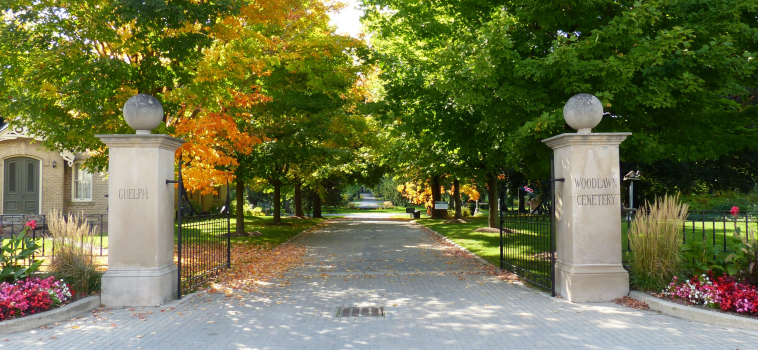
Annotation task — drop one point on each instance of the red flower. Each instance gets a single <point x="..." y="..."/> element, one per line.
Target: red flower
<point x="31" y="224"/>
<point x="735" y="211"/>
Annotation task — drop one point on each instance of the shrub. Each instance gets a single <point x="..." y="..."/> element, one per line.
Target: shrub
<point x="257" y="211"/>
<point x="72" y="261"/>
<point x="351" y="205"/>
<point x="655" y="238"/>
<point x="722" y="201"/>
<point x="16" y="255"/>
<point x="699" y="258"/>
<point x="388" y="205"/>
<point x="465" y="213"/>
<point x="745" y="258"/>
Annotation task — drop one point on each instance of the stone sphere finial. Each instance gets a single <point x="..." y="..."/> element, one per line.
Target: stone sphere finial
<point x="583" y="112"/>
<point x="143" y="113"/>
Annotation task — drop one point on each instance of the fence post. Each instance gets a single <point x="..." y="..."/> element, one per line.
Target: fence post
<point x="179" y="230"/>
<point x="502" y="242"/>
<point x="228" y="227"/>
<point x="552" y="224"/>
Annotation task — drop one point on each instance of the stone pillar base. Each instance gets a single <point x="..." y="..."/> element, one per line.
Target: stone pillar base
<point x="139" y="286"/>
<point x="591" y="283"/>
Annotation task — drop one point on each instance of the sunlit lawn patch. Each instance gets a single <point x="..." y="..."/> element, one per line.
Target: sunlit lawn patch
<point x="484" y="244"/>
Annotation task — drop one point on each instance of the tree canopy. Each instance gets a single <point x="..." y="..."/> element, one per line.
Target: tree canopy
<point x="482" y="82"/>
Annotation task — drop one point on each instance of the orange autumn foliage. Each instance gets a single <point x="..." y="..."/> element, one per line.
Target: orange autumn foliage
<point x="216" y="112"/>
<point x="469" y="190"/>
<point x="418" y="193"/>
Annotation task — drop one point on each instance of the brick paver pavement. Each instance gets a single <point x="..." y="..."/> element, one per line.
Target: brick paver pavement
<point x="432" y="301"/>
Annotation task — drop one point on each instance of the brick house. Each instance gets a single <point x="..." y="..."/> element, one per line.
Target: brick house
<point x="36" y="180"/>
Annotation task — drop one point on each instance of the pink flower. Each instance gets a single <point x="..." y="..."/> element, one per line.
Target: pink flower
<point x="31" y="224"/>
<point x="735" y="211"/>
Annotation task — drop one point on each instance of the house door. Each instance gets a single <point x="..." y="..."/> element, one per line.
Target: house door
<point x="21" y="186"/>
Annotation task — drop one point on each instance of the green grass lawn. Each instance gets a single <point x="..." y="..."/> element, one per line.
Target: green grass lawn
<point x="46" y="244"/>
<point x="524" y="249"/>
<point x="273" y="235"/>
<point x="713" y="233"/>
<point x="484" y="244"/>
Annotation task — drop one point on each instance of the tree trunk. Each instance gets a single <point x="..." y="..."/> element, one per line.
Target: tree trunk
<point x="277" y="201"/>
<point x="298" y="201"/>
<point x="492" y="194"/>
<point x="240" y="214"/>
<point x="316" y="205"/>
<point x="457" y="196"/>
<point x="521" y="201"/>
<point x="436" y="197"/>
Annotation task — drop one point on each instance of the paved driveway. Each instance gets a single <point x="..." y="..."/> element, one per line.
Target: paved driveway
<point x="367" y="202"/>
<point x="431" y="301"/>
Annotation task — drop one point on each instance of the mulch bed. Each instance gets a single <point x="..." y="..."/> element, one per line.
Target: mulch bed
<point x="632" y="303"/>
<point x="458" y="221"/>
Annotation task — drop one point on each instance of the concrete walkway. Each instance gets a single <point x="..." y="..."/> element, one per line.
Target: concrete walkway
<point x="432" y="301"/>
<point x="367" y="202"/>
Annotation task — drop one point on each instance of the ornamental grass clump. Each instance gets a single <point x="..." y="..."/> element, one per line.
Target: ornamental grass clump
<point x="72" y="260"/>
<point x="655" y="239"/>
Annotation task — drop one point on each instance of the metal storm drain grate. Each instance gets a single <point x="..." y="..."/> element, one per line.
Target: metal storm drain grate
<point x="360" y="311"/>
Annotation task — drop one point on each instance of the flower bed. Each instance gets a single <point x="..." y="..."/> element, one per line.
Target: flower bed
<point x="32" y="295"/>
<point x="723" y="293"/>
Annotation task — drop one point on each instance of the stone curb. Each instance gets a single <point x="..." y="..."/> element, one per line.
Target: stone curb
<point x="57" y="315"/>
<point x="695" y="314"/>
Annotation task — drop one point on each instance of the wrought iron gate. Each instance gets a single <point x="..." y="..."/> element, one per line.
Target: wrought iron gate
<point x="203" y="241"/>
<point x="527" y="239"/>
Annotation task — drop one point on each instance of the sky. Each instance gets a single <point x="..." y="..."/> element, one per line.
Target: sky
<point x="348" y="20"/>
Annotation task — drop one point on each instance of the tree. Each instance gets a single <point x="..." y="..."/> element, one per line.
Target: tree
<point x="308" y="121"/>
<point x="676" y="73"/>
<point x="69" y="66"/>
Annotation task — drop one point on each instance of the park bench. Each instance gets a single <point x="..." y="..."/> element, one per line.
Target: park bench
<point x="414" y="214"/>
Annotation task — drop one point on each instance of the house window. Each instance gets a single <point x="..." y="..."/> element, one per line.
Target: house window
<point x="82" y="183"/>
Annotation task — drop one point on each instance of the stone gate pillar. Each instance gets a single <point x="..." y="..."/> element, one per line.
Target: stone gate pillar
<point x="588" y="207"/>
<point x="141" y="268"/>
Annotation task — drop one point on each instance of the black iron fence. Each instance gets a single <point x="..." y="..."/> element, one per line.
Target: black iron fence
<point x="527" y="240"/>
<point x="203" y="248"/>
<point x="718" y="229"/>
<point x="13" y="224"/>
<point x="203" y="242"/>
<point x="526" y="247"/>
